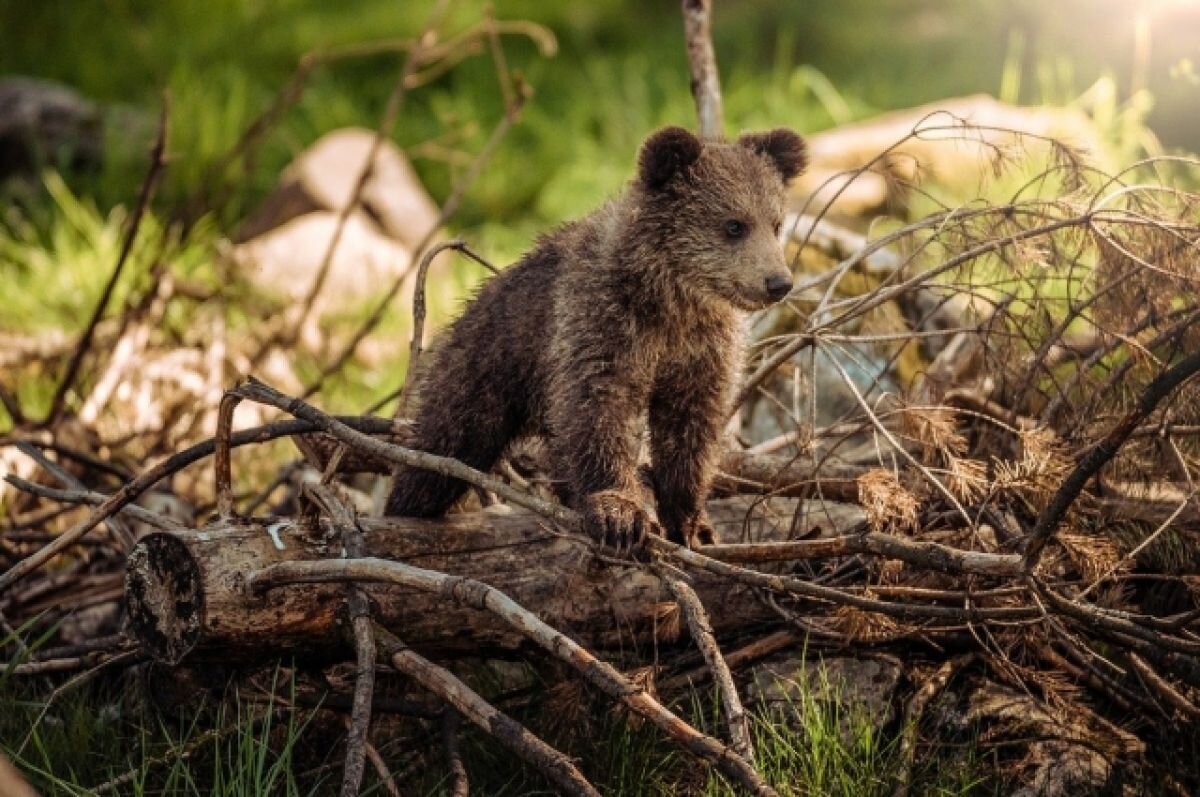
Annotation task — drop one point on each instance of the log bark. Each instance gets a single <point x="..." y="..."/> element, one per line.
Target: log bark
<point x="186" y="589"/>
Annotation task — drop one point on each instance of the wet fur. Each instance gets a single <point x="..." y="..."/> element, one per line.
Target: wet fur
<point x="630" y="316"/>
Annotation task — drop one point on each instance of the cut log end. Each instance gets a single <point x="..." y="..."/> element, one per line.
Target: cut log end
<point x="165" y="599"/>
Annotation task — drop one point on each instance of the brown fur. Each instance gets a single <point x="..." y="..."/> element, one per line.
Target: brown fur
<point x="629" y="316"/>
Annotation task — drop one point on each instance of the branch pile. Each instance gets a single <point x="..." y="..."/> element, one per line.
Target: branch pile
<point x="971" y="440"/>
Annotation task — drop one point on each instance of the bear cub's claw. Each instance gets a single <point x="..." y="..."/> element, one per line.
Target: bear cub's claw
<point x="694" y="533"/>
<point x="617" y="522"/>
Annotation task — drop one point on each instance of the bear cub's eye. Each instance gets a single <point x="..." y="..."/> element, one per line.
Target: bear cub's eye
<point x="778" y="227"/>
<point x="735" y="229"/>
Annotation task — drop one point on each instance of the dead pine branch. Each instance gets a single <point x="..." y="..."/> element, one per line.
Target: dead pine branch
<point x="1095" y="459"/>
<point x="552" y="764"/>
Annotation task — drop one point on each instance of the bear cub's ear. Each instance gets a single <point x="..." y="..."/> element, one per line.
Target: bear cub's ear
<point x="785" y="148"/>
<point x="665" y="154"/>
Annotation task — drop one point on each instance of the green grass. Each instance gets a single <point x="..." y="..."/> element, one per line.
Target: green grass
<point x="234" y="747"/>
<point x="820" y="748"/>
<point x="101" y="731"/>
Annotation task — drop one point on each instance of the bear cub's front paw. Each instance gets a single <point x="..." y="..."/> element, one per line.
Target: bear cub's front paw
<point x="694" y="532"/>
<point x="617" y="521"/>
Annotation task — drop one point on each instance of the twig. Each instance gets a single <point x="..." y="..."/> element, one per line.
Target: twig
<point x="343" y="519"/>
<point x="172" y="464"/>
<point x="81" y="457"/>
<point x="121" y="533"/>
<point x="416" y="347"/>
<point x="758" y="649"/>
<point x="475" y="594"/>
<point x="379" y="765"/>
<point x="702" y="62"/>
<point x="135" y="223"/>
<point x="93" y="498"/>
<point x="260" y="392"/>
<point x="78" y="680"/>
<point x="557" y="768"/>
<point x="60" y="664"/>
<point x="912" y="718"/>
<point x="395" y="102"/>
<point x="930" y="555"/>
<point x="449" y="208"/>
<point x="460" y="785"/>
<point x="1096" y="458"/>
<point x="222" y="458"/>
<point x="1178" y="701"/>
<point x="702" y="634"/>
<point x="187" y="751"/>
<point x="12" y="406"/>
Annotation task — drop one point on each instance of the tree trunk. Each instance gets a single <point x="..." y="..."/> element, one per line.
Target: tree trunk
<point x="186" y="589"/>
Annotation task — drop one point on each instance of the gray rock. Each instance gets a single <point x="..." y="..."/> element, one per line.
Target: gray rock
<point x="43" y="123"/>
<point x="1068" y="750"/>
<point x="323" y="177"/>
<point x="287" y="259"/>
<point x="855" y="690"/>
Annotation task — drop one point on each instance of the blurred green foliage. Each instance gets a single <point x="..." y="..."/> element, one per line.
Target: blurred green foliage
<point x="620" y="71"/>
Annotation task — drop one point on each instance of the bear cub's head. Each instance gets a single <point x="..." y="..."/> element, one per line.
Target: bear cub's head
<point x="717" y="210"/>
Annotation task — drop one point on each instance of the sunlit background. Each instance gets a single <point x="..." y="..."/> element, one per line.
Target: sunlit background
<point x="619" y="71"/>
<point x="603" y="74"/>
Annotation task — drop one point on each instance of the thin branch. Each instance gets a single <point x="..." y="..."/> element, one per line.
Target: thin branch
<point x="555" y="766"/>
<point x="460" y="786"/>
<point x="172" y="464"/>
<point x="1096" y="458"/>
<point x="449" y="208"/>
<point x="416" y="347"/>
<point x="702" y="63"/>
<point x="135" y="222"/>
<point x="702" y="634"/>
<point x="475" y="594"/>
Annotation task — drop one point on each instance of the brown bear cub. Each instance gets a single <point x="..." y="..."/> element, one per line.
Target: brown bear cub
<point x="627" y="318"/>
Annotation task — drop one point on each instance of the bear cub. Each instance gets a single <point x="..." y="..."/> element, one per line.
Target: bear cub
<point x="627" y="320"/>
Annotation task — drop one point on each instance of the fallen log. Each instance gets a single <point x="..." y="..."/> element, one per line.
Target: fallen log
<point x="187" y="596"/>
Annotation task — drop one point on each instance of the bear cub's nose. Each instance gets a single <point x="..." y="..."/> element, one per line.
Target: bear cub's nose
<point x="778" y="287"/>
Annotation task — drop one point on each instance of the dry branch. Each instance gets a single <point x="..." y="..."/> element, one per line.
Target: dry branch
<point x="557" y="768"/>
<point x="475" y="594"/>
<point x="1158" y="390"/>
<point x="702" y="62"/>
<point x="702" y="633"/>
<point x="185" y="588"/>
<point x="83" y="346"/>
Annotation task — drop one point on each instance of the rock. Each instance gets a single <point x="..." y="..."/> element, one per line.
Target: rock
<point x="1069" y="750"/>
<point x="286" y="260"/>
<point x="322" y="178"/>
<point x="817" y="372"/>
<point x="945" y="151"/>
<point x="43" y="123"/>
<point x="854" y="689"/>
